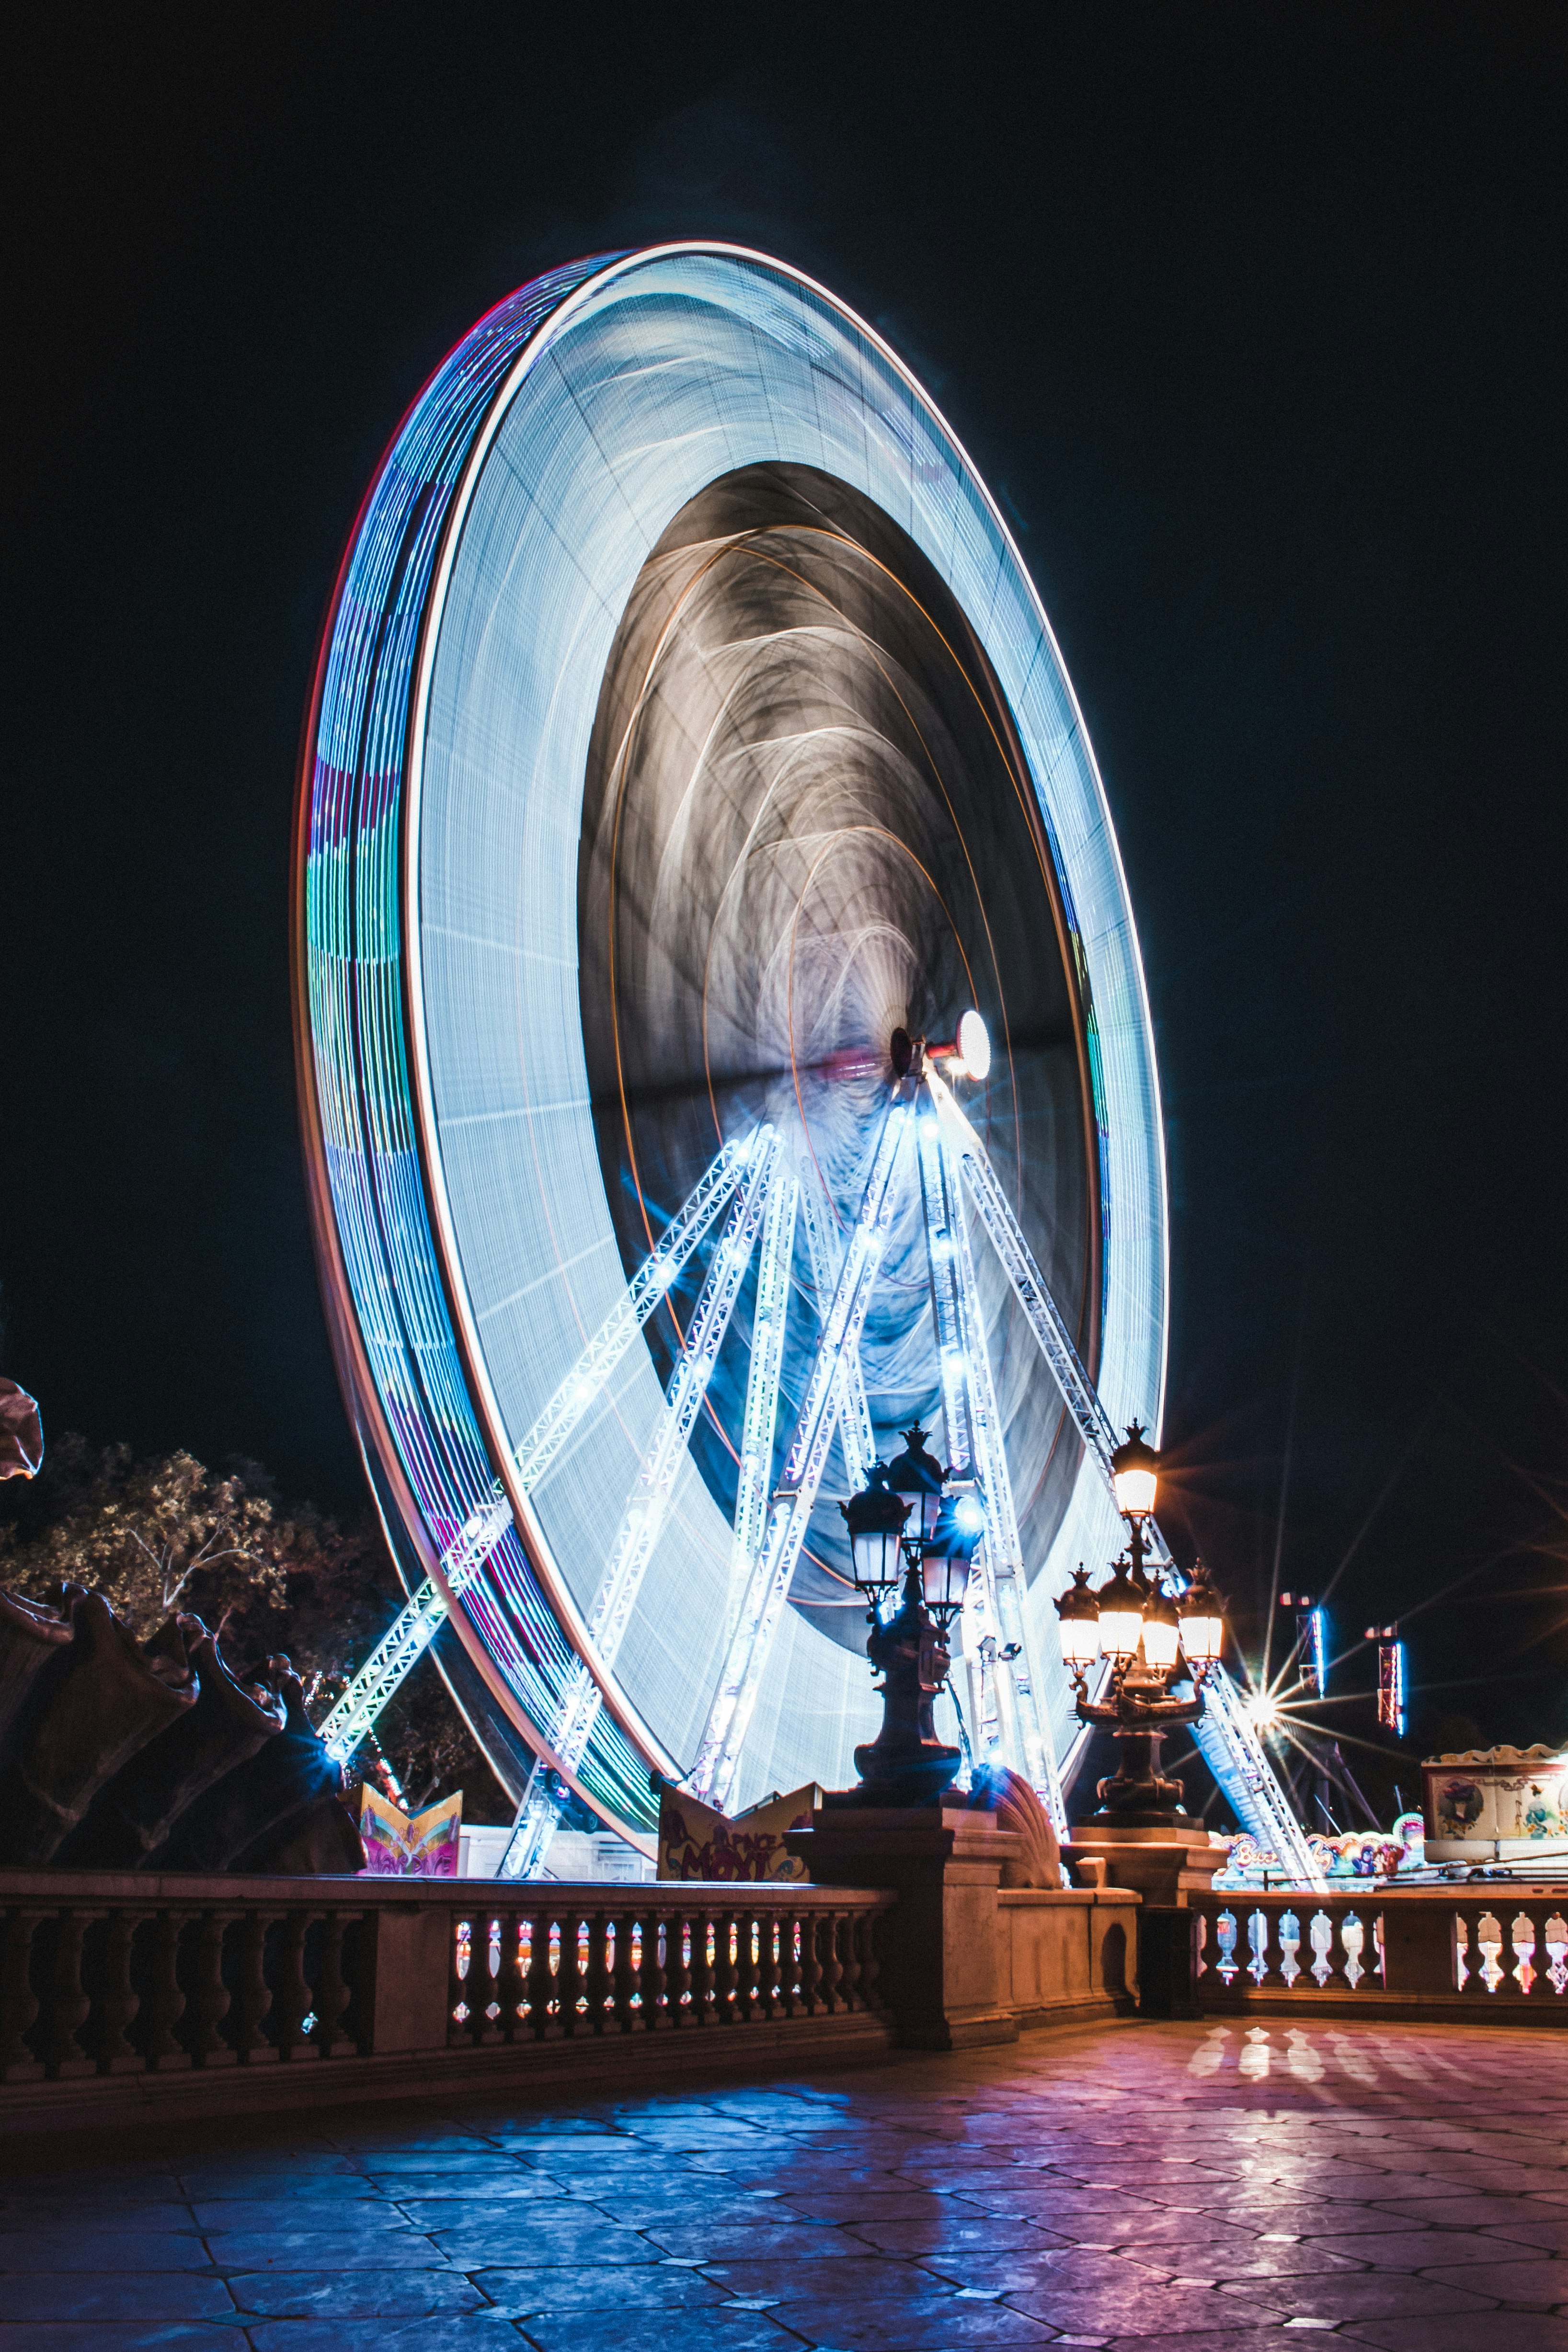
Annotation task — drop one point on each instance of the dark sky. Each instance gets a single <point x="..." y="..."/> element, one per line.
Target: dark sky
<point x="1253" y="317"/>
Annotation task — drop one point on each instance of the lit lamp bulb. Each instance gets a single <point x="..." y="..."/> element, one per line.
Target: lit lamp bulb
<point x="875" y="1517"/>
<point x="1161" y="1632"/>
<point x="1135" y="1473"/>
<point x="1203" y="1619"/>
<point x="947" y="1557"/>
<point x="1080" y="1613"/>
<point x="1121" y="1614"/>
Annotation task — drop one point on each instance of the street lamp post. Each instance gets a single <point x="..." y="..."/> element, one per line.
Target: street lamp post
<point x="1153" y="1640"/>
<point x="906" y="1764"/>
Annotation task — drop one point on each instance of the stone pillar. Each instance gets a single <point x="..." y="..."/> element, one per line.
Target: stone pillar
<point x="944" y="1972"/>
<point x="1164" y="1866"/>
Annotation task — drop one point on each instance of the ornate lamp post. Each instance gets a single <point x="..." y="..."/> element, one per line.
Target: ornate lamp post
<point x="1152" y="1640"/>
<point x="906" y="1764"/>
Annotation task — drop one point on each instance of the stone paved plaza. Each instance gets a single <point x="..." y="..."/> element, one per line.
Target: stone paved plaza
<point x="1218" y="2187"/>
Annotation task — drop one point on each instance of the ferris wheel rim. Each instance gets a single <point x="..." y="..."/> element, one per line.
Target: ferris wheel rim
<point x="553" y="325"/>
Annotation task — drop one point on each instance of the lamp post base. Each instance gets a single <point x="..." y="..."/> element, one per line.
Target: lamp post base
<point x="900" y="1776"/>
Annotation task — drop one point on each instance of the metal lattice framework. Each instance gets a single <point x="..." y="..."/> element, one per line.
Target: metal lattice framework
<point x="685" y="721"/>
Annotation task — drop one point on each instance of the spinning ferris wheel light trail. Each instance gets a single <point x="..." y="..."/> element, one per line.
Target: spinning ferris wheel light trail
<point x="413" y="1631"/>
<point x="686" y="727"/>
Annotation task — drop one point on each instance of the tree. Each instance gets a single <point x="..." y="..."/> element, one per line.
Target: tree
<point x="164" y="1533"/>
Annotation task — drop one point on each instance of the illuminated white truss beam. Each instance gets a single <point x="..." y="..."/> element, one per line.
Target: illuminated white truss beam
<point x="855" y="1432"/>
<point x="789" y="1516"/>
<point x="757" y="1429"/>
<point x="977" y="1449"/>
<point x="1228" y="1741"/>
<point x="416" y="1626"/>
<point x="648" y="1505"/>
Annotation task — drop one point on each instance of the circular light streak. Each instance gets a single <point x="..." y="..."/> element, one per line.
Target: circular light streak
<point x="647" y="489"/>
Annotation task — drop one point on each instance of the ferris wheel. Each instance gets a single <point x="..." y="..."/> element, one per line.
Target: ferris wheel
<point x="722" y="1043"/>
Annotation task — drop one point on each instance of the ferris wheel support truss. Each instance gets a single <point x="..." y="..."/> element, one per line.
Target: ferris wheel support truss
<point x="417" y="1624"/>
<point x="976" y="1444"/>
<point x="855" y="1431"/>
<point x="645" y="1514"/>
<point x="1229" y="1744"/>
<point x="769" y="1319"/>
<point x="767" y="1589"/>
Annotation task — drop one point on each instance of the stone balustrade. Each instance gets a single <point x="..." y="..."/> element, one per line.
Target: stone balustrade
<point x="183" y="1994"/>
<point x="1466" y="1952"/>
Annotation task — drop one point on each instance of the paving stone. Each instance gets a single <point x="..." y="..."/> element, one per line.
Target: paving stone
<point x="19" y="2213"/>
<point x="116" y="2249"/>
<point x="1505" y="2331"/>
<point x="804" y="2241"/>
<point x="933" y="2325"/>
<point x="102" y="2296"/>
<point x="1421" y="2250"/>
<point x="1548" y="2233"/>
<point x="952" y="2225"/>
<point x="1542" y="2284"/>
<point x="584" y="2331"/>
<point x="474" y="2331"/>
<point x="1362" y="2294"/>
<point x="111" y="2336"/>
<point x="1143" y="2307"/>
<point x="587" y="2287"/>
<point x="353" y="2293"/>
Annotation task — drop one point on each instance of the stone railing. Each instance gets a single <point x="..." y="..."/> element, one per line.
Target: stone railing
<point x="1493" y="1951"/>
<point x="123" y="1993"/>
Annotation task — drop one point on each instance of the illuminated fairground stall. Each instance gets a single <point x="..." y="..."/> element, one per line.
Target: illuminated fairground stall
<point x="724" y="1048"/>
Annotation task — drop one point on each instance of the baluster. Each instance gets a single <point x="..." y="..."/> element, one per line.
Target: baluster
<point x="849" y="1988"/>
<point x="67" y="2002"/>
<point x="112" y="2047"/>
<point x="627" y="1932"/>
<point x="1257" y="1944"/>
<point x="1289" y="1945"/>
<point x="252" y="1994"/>
<point x="761" y="1929"/>
<point x="832" y="1966"/>
<point x="790" y="1935"/>
<point x="332" y="1988"/>
<point x="597" y="1980"/>
<point x="1557" y="1952"/>
<point x="657" y="1927"/>
<point x="162" y="1996"/>
<point x="206" y="1995"/>
<point x="511" y="1983"/>
<point x="726" y="1935"/>
<point x="1353" y="1937"/>
<point x="702" y="1968"/>
<point x="18" y="2001"/>
<point x="1522" y="1936"/>
<point x="1488" y="1939"/>
<point x="291" y="1999"/>
<point x="870" y="1958"/>
<point x="679" y="1942"/>
<point x="748" y="1938"/>
<point x="1320" y="1936"/>
<point x="540" y="1983"/>
<point x="1462" y="1970"/>
<point x="484" y="1983"/>
<point x="569" y="1978"/>
<point x="810" y="1961"/>
<point x="459" y="1970"/>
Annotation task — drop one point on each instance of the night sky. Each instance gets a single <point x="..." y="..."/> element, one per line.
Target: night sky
<point x="1253" y="320"/>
